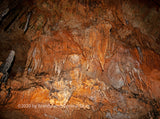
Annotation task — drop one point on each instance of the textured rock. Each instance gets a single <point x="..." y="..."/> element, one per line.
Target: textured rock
<point x="48" y="54"/>
<point x="87" y="59"/>
<point x="115" y="76"/>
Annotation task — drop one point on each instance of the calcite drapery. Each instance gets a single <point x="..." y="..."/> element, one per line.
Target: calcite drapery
<point x="83" y="55"/>
<point x="48" y="54"/>
<point x="61" y="56"/>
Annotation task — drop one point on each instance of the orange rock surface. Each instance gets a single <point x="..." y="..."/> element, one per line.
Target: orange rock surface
<point x="87" y="59"/>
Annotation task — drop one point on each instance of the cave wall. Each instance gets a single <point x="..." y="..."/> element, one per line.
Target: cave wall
<point x="95" y="58"/>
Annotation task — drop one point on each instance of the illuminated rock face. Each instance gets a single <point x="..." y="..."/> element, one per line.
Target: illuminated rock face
<point x="59" y="55"/>
<point x="48" y="54"/>
<point x="87" y="59"/>
<point x="81" y="75"/>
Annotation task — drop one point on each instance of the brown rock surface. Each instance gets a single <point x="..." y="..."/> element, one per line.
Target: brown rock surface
<point x="81" y="59"/>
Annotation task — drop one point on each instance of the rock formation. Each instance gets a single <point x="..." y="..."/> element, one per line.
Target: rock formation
<point x="82" y="59"/>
